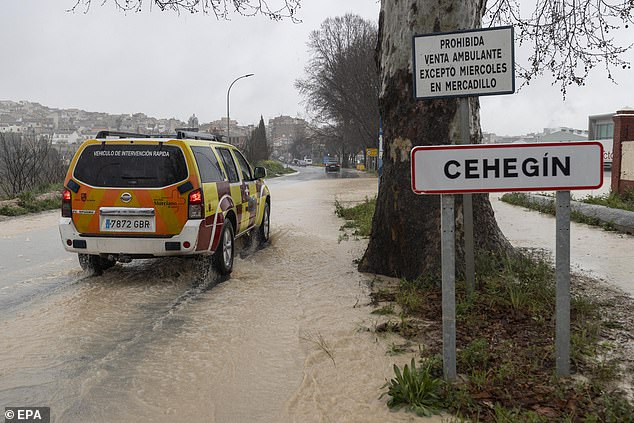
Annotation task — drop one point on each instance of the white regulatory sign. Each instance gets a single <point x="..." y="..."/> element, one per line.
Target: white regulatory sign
<point x="465" y="63"/>
<point x="450" y="169"/>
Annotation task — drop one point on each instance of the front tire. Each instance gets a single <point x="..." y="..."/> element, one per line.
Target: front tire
<point x="223" y="257"/>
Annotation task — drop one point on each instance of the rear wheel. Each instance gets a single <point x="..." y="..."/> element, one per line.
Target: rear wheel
<point x="265" y="226"/>
<point x="223" y="257"/>
<point x="106" y="263"/>
<point x="94" y="263"/>
<point x="202" y="267"/>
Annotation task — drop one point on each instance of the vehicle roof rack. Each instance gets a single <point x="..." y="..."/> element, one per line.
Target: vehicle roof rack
<point x="192" y="135"/>
<point x="106" y="134"/>
<point x="181" y="134"/>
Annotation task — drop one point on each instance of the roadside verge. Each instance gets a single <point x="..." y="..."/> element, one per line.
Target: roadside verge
<point x="609" y="218"/>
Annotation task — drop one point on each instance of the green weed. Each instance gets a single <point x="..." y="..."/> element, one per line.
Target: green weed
<point x="396" y="349"/>
<point x="385" y="310"/>
<point x="409" y="297"/>
<point x="359" y="217"/>
<point x="475" y="355"/>
<point x="416" y="389"/>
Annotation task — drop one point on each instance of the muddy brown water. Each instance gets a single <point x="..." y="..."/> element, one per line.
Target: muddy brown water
<point x="285" y="339"/>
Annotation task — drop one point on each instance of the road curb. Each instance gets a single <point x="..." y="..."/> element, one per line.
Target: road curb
<point x="621" y="220"/>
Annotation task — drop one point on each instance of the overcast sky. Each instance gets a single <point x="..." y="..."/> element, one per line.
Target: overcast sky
<point x="166" y="65"/>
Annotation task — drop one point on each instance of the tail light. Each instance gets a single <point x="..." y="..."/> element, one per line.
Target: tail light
<point x="67" y="208"/>
<point x="195" y="205"/>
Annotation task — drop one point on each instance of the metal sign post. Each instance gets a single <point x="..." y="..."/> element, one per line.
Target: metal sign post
<point x="562" y="266"/>
<point x="380" y="161"/>
<point x="448" y="246"/>
<point x="467" y="204"/>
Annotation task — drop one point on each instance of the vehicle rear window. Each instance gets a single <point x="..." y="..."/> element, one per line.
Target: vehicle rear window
<point x="130" y="165"/>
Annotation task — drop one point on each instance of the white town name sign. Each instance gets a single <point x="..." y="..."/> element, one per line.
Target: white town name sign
<point x="450" y="169"/>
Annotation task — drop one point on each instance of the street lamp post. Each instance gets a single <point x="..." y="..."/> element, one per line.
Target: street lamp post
<point x="228" y="91"/>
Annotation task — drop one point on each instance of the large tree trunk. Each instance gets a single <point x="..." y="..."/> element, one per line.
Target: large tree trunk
<point x="405" y="240"/>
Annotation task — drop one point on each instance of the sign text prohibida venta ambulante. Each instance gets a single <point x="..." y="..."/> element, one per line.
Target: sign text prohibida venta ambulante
<point x="465" y="63"/>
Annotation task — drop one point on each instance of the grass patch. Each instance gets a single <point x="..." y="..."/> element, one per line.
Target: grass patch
<point x="523" y="200"/>
<point x="358" y="218"/>
<point x="613" y="200"/>
<point x="28" y="202"/>
<point x="274" y="168"/>
<point x="505" y="350"/>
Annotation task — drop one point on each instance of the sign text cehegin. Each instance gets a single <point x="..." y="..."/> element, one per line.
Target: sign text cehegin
<point x="507" y="167"/>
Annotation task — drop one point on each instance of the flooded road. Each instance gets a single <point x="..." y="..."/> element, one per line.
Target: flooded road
<point x="593" y="252"/>
<point x="285" y="339"/>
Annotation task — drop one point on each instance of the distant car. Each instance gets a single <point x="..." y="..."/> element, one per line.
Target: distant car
<point x="331" y="165"/>
<point x="130" y="196"/>
<point x="308" y="161"/>
<point x="301" y="163"/>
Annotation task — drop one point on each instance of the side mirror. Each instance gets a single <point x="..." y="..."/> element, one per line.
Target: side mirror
<point x="259" y="172"/>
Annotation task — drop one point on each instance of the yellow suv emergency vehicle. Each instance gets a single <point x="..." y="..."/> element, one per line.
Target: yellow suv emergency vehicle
<point x="131" y="196"/>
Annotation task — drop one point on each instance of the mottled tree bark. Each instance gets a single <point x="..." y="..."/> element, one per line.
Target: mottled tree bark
<point x="405" y="240"/>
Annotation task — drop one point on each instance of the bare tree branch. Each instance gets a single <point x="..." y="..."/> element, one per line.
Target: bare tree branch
<point x="568" y="37"/>
<point x="221" y="9"/>
<point x="341" y="87"/>
<point x="27" y="162"/>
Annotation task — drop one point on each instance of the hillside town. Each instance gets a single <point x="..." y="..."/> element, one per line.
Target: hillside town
<point x="67" y="128"/>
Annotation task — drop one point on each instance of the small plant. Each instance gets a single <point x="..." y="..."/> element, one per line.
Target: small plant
<point x="517" y="296"/>
<point x="320" y="342"/>
<point x="415" y="389"/>
<point x="408" y="296"/>
<point x="396" y="349"/>
<point x="479" y="378"/>
<point x="475" y="355"/>
<point x="385" y="310"/>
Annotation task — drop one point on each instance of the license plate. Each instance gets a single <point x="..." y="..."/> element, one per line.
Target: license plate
<point x="127" y="224"/>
